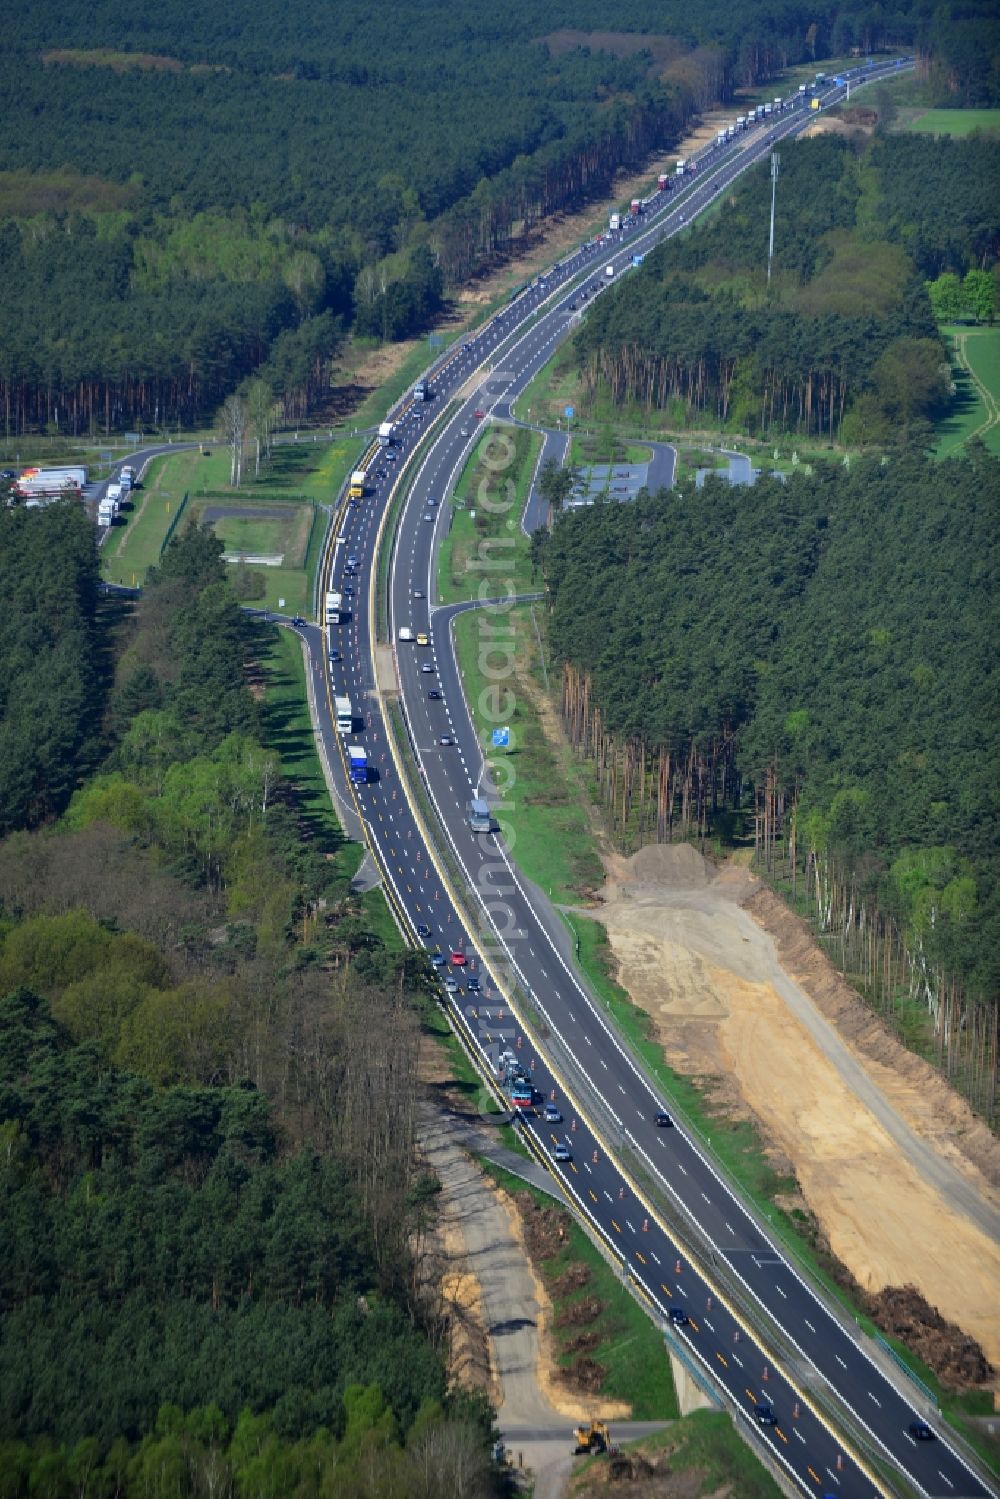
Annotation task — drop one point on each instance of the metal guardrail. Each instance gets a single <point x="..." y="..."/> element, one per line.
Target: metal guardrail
<point x="683" y="1227"/>
<point x="712" y="1267"/>
<point x="901" y="1363"/>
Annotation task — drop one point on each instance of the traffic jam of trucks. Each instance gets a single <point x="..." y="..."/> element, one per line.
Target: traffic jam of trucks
<point x="41" y="486"/>
<point x="50" y="484"/>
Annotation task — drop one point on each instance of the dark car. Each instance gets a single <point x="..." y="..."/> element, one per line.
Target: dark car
<point x="765" y="1414"/>
<point x="473" y="983"/>
<point x="298" y="621"/>
<point x="678" y="1316"/>
<point x="434" y="695"/>
<point x="663" y="1119"/>
<point x="335" y="656"/>
<point x="423" y="930"/>
<point x="921" y="1431"/>
<point x="437" y="958"/>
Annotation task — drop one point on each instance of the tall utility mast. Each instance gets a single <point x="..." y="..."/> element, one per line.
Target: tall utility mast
<point x="775" y="165"/>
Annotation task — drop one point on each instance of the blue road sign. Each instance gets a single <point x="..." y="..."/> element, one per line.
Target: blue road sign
<point x="501" y="738"/>
<point x="569" y="412"/>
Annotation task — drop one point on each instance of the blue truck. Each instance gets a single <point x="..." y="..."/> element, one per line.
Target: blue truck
<point x="357" y="760"/>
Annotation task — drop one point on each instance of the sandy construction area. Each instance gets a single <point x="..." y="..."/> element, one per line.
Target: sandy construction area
<point x="898" y="1173"/>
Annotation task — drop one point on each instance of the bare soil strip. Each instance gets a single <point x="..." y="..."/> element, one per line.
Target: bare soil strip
<point x="898" y="1174"/>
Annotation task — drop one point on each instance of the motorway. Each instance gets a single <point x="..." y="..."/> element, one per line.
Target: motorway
<point x="683" y="1238"/>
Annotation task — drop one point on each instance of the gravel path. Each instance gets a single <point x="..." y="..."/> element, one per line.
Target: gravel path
<point x="509" y="1306"/>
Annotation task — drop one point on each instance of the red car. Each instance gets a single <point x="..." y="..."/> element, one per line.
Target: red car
<point x="458" y="959"/>
<point x="478" y="414"/>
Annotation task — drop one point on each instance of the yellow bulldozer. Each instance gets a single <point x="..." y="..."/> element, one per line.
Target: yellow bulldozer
<point x="593" y="1438"/>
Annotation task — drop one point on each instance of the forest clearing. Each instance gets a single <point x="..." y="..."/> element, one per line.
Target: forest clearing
<point x="728" y="1013"/>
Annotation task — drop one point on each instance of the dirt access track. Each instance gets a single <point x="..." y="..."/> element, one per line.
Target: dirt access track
<point x="900" y="1176"/>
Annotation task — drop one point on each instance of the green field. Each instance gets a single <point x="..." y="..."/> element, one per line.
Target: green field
<point x="975" y="408"/>
<point x="265" y="528"/>
<point x="956" y="121"/>
<point x="486" y="518"/>
<point x="288" y="730"/>
<point x="299" y="480"/>
<point x="135" y="546"/>
<point x="546" y="824"/>
<point x="604" y="447"/>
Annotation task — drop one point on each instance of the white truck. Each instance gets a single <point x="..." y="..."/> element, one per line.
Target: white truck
<point x="609" y="271"/>
<point x="345" y="715"/>
<point x="615" y="222"/>
<point x="477" y="815"/>
<point x="385" y="432"/>
<point x="106" y="512"/>
<point x="34" y="483"/>
<point x="681" y="167"/>
<point x="334" y="607"/>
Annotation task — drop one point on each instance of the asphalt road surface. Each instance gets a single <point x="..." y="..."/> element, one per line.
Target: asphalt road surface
<point x="681" y="1235"/>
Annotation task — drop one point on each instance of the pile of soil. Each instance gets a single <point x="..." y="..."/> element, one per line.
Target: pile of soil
<point x="586" y="1374"/>
<point x="573" y="1278"/>
<point x="546" y="1229"/>
<point x="580" y="1313"/>
<point x="957" y="1359"/>
<point x="584" y="1342"/>
<point x="860" y="116"/>
<point x="633" y="1475"/>
<point x="679" y="866"/>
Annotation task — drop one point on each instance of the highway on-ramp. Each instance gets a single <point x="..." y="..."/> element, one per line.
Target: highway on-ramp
<point x="737" y="1310"/>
